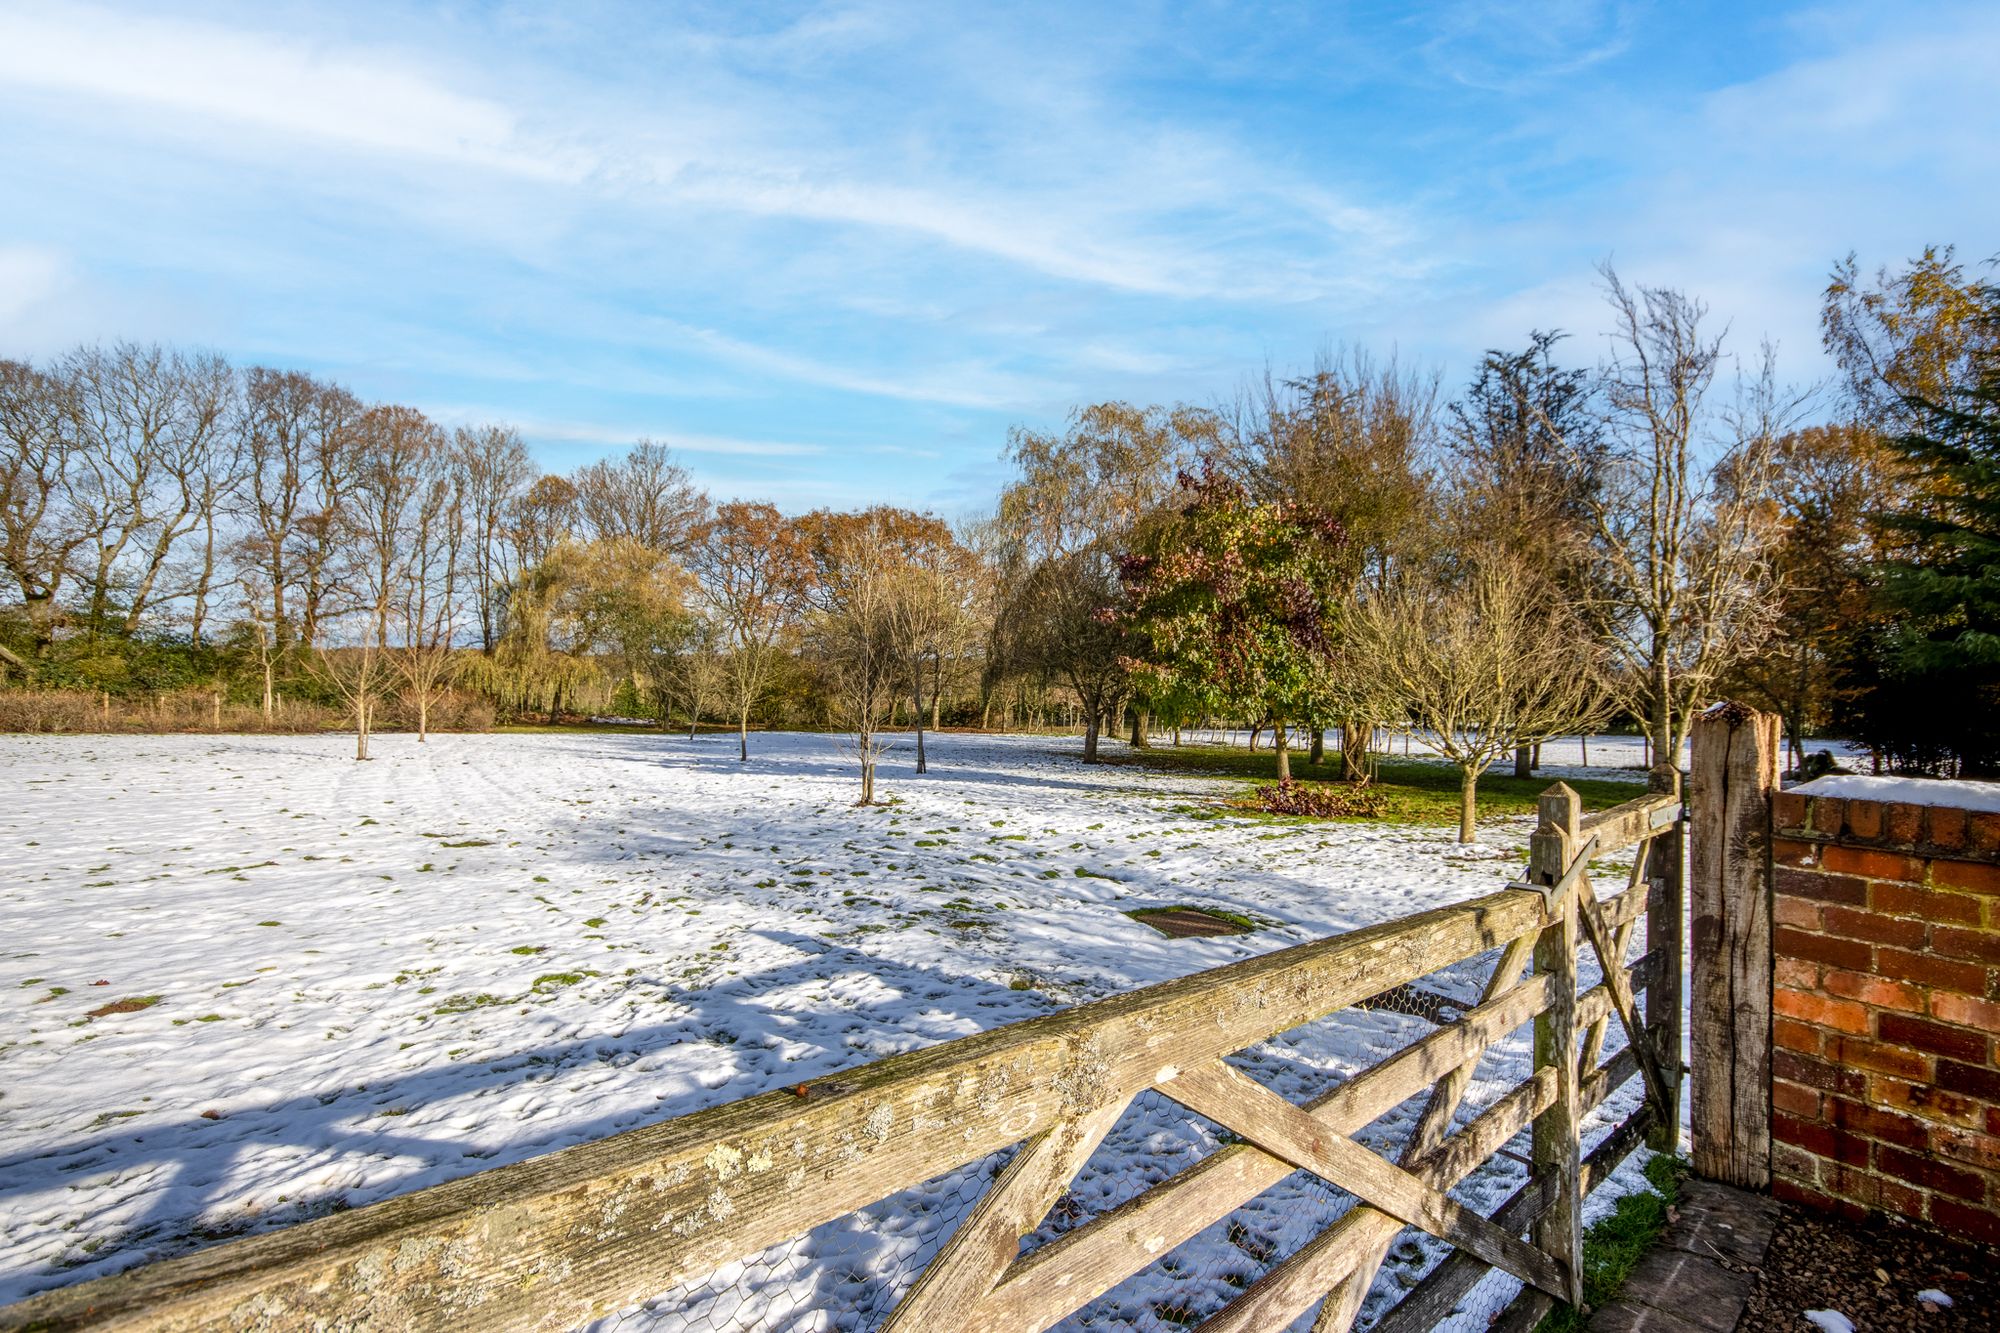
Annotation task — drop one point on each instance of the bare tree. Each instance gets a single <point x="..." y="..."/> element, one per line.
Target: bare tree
<point x="852" y="625"/>
<point x="646" y="497"/>
<point x="397" y="450"/>
<point x="40" y="529"/>
<point x="1681" y="528"/>
<point x="145" y="418"/>
<point x="331" y="451"/>
<point x="497" y="471"/>
<point x="750" y="566"/>
<point x="1478" y="668"/>
<point x="427" y="598"/>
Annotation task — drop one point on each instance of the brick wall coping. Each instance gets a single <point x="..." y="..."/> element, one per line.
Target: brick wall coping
<point x="1939" y="831"/>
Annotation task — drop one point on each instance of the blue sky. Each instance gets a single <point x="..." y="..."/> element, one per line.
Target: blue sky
<point x="832" y="252"/>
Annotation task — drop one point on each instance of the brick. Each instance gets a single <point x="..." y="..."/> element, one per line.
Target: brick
<point x="1929" y="1173"/>
<point x="1818" y="1073"/>
<point x="1804" y="913"/>
<point x="1795" y="1099"/>
<point x="1829" y="815"/>
<point x="1792" y="1035"/>
<point x="1854" y="955"/>
<point x="1818" y="885"/>
<point x="1858" y="1117"/>
<point x="1904" y="824"/>
<point x="1930" y="970"/>
<point x="1972" y="1080"/>
<point x="1858" y="924"/>
<point x="1873" y="990"/>
<point x="1795" y="972"/>
<point x="1874" y="1191"/>
<point x="1789" y="1163"/>
<point x="1966" y="1011"/>
<point x="1871" y="864"/>
<point x="1816" y="1138"/>
<point x="1788" y="810"/>
<point x="1967" y="1146"/>
<point x="1812" y="1007"/>
<point x="1925" y="1035"/>
<point x="1920" y="1099"/>
<point x="1976" y="876"/>
<point x="1794" y="852"/>
<point x="1982" y="832"/>
<point x="1944" y="828"/>
<point x="1980" y="1224"/>
<point x="1857" y="1053"/>
<point x="1900" y="899"/>
<point x="1993" y="1120"/>
<point x="1957" y="942"/>
<point x="1865" y="820"/>
<point x="1803" y="1194"/>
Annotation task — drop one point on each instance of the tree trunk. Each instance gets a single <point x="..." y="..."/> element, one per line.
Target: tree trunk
<point x="1468" y="803"/>
<point x="1318" y="751"/>
<point x="267" y="691"/>
<point x="1354" y="750"/>
<point x="1523" y="763"/>
<point x="1090" y="736"/>
<point x="743" y="737"/>
<point x="1280" y="742"/>
<point x="1254" y="729"/>
<point x="1584" y="741"/>
<point x="917" y="715"/>
<point x="361" y="727"/>
<point x="423" y="716"/>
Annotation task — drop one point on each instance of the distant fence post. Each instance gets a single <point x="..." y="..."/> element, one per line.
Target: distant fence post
<point x="1732" y="775"/>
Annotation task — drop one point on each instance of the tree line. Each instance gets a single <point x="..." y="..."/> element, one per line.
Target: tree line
<point x="1550" y="545"/>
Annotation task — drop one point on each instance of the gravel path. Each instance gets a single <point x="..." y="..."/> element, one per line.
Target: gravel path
<point x="1872" y="1272"/>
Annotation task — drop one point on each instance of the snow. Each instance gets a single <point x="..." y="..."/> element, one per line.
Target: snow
<point x="1962" y="793"/>
<point x="1830" y="1321"/>
<point x="371" y="978"/>
<point x="1932" y="1296"/>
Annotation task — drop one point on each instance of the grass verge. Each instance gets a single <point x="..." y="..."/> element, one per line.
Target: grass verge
<point x="1413" y="791"/>
<point x="1614" y="1245"/>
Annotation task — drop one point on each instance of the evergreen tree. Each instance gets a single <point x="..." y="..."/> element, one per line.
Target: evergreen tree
<point x="1935" y="702"/>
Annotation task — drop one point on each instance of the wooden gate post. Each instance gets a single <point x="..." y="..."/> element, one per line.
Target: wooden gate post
<point x="1666" y="934"/>
<point x="1557" y="1143"/>
<point x="1732" y="775"/>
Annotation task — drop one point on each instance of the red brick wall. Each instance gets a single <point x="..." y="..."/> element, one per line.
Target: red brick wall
<point x="1886" y="1010"/>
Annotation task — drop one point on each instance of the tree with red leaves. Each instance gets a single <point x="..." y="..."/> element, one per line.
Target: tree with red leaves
<point x="1234" y="606"/>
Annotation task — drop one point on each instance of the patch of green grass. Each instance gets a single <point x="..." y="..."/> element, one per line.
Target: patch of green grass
<point x="469" y="842"/>
<point x="1414" y="791"/>
<point x="270" y="923"/>
<point x="526" y="950"/>
<point x="594" y="922"/>
<point x="553" y="980"/>
<point x="1614" y="1245"/>
<point x="459" y="1004"/>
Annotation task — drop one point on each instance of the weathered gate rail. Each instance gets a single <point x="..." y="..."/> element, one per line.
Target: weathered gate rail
<point x="557" y="1240"/>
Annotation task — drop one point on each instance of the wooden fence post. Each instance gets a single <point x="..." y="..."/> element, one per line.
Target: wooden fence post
<point x="1557" y="1148"/>
<point x="1733" y="772"/>
<point x="1666" y="933"/>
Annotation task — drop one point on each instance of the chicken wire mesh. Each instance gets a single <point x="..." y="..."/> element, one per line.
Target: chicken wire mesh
<point x="848" y="1274"/>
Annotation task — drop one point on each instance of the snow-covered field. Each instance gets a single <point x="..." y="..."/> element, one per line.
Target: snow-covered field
<point x="245" y="980"/>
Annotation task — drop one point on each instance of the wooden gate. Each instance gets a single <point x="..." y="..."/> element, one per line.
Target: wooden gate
<point x="557" y="1240"/>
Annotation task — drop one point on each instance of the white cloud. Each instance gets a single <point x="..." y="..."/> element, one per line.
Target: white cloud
<point x="370" y="100"/>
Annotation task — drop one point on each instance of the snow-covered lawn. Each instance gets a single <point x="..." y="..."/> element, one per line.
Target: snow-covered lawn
<point x="247" y="980"/>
